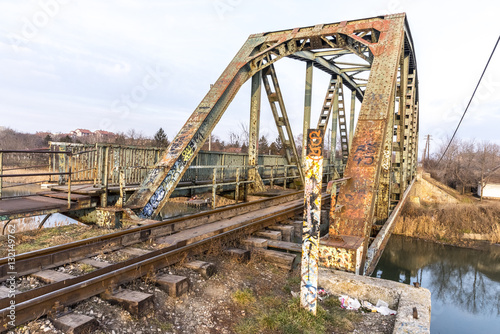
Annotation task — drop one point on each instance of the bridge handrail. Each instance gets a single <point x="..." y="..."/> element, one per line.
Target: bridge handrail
<point x="68" y="172"/>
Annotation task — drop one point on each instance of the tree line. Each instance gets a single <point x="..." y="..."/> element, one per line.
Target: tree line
<point x="466" y="164"/>
<point x="237" y="143"/>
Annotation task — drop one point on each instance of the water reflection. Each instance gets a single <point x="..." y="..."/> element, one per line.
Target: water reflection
<point x="462" y="281"/>
<point x="176" y="209"/>
<point x="10" y="189"/>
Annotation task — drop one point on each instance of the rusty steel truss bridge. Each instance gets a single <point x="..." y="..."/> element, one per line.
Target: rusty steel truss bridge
<point x="374" y="59"/>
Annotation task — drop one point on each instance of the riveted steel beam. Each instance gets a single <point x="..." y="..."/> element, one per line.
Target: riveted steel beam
<point x="344" y="141"/>
<point x="330" y="68"/>
<point x="382" y="208"/>
<point x="253" y="136"/>
<point x="351" y="120"/>
<point x="335" y="115"/>
<point x="161" y="181"/>
<point x="307" y="108"/>
<point x="331" y="99"/>
<point x="278" y="109"/>
<point x="358" y="195"/>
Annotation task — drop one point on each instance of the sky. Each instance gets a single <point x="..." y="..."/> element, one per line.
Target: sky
<point x="131" y="64"/>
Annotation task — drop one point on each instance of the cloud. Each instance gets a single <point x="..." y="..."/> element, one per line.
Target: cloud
<point x="92" y="52"/>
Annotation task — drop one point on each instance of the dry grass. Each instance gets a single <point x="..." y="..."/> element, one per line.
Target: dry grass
<point x="448" y="222"/>
<point x="37" y="239"/>
<point x="275" y="312"/>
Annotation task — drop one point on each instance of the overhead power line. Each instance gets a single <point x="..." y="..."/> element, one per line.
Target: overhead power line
<point x="474" y="93"/>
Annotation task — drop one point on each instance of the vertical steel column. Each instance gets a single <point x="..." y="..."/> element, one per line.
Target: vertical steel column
<point x="384" y="188"/>
<point x="69" y="187"/>
<point x="62" y="164"/>
<point x="253" y="136"/>
<point x="50" y="164"/>
<point x="237" y="190"/>
<point x="331" y="94"/>
<point x="351" y="121"/>
<point x="335" y="112"/>
<point x="311" y="223"/>
<point x="344" y="141"/>
<point x="214" y="187"/>
<point x="121" y="199"/>
<point x="95" y="171"/>
<point x="285" y="177"/>
<point x="410" y="110"/>
<point x="104" y="195"/>
<point x="415" y="138"/>
<point x="403" y="132"/>
<point x="307" y="108"/>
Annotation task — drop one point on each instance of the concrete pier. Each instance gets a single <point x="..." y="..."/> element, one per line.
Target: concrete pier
<point x="401" y="297"/>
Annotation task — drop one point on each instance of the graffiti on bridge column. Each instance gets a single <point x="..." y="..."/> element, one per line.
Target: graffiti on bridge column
<point x="311" y="222"/>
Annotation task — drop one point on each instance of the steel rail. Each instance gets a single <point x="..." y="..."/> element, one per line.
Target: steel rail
<point x="46" y="258"/>
<point x="47" y="299"/>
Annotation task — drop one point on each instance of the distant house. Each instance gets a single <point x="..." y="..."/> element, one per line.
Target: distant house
<point x="103" y="135"/>
<point x="491" y="189"/>
<point x="81" y="133"/>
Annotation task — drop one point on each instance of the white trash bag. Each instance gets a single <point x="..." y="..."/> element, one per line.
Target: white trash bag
<point x="349" y="303"/>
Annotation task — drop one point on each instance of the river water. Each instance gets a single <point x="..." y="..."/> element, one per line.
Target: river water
<point x="465" y="283"/>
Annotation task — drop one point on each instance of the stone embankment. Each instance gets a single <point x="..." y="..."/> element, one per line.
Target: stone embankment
<point x="413" y="305"/>
<point x="438" y="213"/>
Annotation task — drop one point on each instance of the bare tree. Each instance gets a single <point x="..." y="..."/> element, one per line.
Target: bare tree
<point x="466" y="164"/>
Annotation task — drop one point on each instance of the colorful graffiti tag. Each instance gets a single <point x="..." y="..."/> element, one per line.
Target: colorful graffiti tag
<point x="171" y="178"/>
<point x="312" y="214"/>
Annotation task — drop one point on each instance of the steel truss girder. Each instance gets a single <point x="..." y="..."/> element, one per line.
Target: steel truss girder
<point x="281" y="117"/>
<point x="253" y="135"/>
<point x="329" y="102"/>
<point x="342" y="117"/>
<point x="330" y="68"/>
<point x="259" y="51"/>
<point x="335" y="99"/>
<point x="364" y="165"/>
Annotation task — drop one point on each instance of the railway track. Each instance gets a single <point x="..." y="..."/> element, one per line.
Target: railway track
<point x="179" y="238"/>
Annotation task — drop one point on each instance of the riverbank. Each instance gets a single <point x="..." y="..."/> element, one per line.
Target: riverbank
<point x="450" y="219"/>
<point x="464" y="282"/>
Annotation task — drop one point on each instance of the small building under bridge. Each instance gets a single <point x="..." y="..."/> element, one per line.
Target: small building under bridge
<point x="491" y="188"/>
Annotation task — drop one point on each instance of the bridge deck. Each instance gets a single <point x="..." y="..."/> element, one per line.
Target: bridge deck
<point x="40" y="204"/>
<point x="89" y="189"/>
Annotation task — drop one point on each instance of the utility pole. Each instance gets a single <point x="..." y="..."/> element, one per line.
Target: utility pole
<point x="427" y="148"/>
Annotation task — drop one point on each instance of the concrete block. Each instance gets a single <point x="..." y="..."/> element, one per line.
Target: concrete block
<point x="76" y="324"/>
<point x="174" y="285"/>
<point x="280" y="259"/>
<point x="239" y="254"/>
<point x="109" y="217"/>
<point x="289" y="246"/>
<point x="287" y="232"/>
<point x="297" y="224"/>
<point x="206" y="269"/>
<point x="135" y="302"/>
<point x="273" y="235"/>
<point x="343" y="253"/>
<point x="250" y="243"/>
